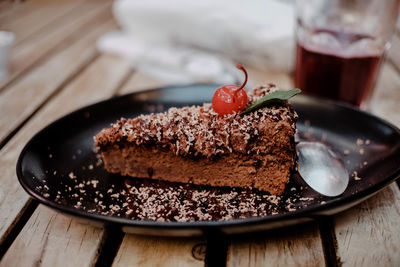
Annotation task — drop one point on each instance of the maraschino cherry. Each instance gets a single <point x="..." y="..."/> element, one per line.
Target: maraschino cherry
<point x="229" y="99"/>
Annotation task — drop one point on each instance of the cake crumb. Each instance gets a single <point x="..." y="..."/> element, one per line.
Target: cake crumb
<point x="71" y="175"/>
<point x="94" y="183"/>
<point x="306" y="198"/>
<point x="128" y="212"/>
<point x="145" y="201"/>
<point x="355" y="176"/>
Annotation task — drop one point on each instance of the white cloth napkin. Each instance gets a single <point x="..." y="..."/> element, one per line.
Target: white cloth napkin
<point x="201" y="41"/>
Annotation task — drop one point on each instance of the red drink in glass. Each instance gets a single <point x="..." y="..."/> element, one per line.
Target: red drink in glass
<point x="341" y="46"/>
<point x="346" y="74"/>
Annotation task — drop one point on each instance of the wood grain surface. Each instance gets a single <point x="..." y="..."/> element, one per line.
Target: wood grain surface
<point x="368" y="234"/>
<point x="36" y="17"/>
<point x="23" y="98"/>
<point x="140" y="82"/>
<point x="386" y="98"/>
<point x="138" y="250"/>
<point x="97" y="82"/>
<point x="294" y="246"/>
<point x="260" y="77"/>
<point x="6" y="8"/>
<point x="56" y="36"/>
<point x="394" y="52"/>
<point x="52" y="239"/>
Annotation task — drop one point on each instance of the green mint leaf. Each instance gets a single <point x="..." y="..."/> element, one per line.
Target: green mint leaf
<point x="273" y="97"/>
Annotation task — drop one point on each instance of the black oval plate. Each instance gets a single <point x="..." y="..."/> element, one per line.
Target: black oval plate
<point x="57" y="165"/>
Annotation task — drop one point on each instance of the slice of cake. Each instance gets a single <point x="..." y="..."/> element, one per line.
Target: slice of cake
<point x="197" y="145"/>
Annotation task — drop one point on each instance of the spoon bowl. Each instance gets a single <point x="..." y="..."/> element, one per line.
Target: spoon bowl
<point x="322" y="169"/>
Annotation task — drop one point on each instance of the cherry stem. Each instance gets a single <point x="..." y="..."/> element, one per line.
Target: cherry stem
<point x="239" y="66"/>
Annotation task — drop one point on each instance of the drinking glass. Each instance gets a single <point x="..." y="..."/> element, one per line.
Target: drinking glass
<point x="341" y="45"/>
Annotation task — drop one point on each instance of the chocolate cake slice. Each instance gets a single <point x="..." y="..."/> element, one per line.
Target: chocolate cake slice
<point x="196" y="145"/>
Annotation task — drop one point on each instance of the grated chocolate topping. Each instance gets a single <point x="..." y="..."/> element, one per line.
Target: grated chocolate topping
<point x="199" y="131"/>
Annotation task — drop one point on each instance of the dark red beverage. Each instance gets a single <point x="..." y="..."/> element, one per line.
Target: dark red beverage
<point x="339" y="75"/>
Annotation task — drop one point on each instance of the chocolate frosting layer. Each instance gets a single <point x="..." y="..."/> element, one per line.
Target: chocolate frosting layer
<point x="199" y="131"/>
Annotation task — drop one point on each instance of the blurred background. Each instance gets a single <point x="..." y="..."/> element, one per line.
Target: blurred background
<point x="175" y="41"/>
<point x="180" y="42"/>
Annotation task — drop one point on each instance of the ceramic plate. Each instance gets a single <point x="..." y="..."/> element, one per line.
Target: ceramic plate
<point x="59" y="168"/>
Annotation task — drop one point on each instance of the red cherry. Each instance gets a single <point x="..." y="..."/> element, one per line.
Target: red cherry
<point x="230" y="99"/>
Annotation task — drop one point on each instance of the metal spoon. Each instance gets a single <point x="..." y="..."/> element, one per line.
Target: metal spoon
<point x="322" y="169"/>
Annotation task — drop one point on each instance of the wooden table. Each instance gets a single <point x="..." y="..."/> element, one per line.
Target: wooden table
<point x="55" y="69"/>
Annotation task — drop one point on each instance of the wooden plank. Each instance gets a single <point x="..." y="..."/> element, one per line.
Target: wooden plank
<point x="394" y="52"/>
<point x="53" y="239"/>
<point x="138" y="82"/>
<point x="32" y="22"/>
<point x="398" y="27"/>
<point x="386" y="98"/>
<point x="260" y="77"/>
<point x="97" y="82"/>
<point x="368" y="235"/>
<point x="295" y="246"/>
<point x="55" y="37"/>
<point x="16" y="11"/>
<point x="25" y="96"/>
<point x="141" y="81"/>
<point x="6" y="7"/>
<point x="138" y="250"/>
